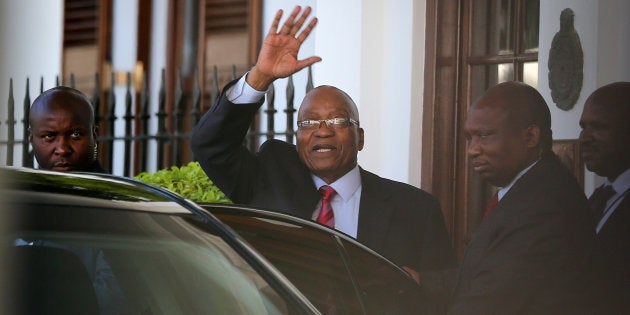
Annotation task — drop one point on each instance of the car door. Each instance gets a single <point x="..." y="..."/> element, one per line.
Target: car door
<point x="337" y="274"/>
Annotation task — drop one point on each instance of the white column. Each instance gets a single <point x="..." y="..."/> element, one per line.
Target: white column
<point x="31" y="33"/>
<point x="158" y="62"/>
<point x="124" y="48"/>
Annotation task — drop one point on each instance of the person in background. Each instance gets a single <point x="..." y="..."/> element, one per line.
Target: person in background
<point x="530" y="254"/>
<point x="62" y="131"/>
<point x="605" y="148"/>
<point x="401" y="222"/>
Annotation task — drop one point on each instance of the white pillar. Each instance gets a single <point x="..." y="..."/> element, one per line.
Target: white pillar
<point x="31" y="33"/>
<point x="124" y="57"/>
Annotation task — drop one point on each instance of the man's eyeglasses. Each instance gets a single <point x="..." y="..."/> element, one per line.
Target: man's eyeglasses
<point x="334" y="123"/>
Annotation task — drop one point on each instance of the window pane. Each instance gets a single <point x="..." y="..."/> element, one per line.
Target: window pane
<point x="136" y="263"/>
<point x="307" y="257"/>
<point x="486" y="76"/>
<point x="530" y="73"/>
<point x="531" y="19"/>
<point x="385" y="289"/>
<point x="492" y="27"/>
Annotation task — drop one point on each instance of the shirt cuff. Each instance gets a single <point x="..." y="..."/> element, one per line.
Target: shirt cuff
<point x="243" y="93"/>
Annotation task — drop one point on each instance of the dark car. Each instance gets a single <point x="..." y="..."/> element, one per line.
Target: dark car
<point x="335" y="272"/>
<point x="90" y="244"/>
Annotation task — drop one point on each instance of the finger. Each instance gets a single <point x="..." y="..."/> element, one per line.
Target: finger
<point x="275" y="23"/>
<point x="301" y="64"/>
<point x="288" y="24"/>
<point x="296" y="27"/>
<point x="307" y="30"/>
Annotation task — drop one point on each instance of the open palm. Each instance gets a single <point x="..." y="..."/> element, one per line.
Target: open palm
<point x="278" y="56"/>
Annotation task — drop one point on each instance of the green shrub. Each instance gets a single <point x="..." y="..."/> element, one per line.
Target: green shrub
<point x="189" y="181"/>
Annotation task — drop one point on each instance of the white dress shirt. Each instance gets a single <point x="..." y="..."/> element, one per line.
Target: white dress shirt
<point x="345" y="203"/>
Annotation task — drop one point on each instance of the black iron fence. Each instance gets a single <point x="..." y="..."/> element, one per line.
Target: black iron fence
<point x="137" y="149"/>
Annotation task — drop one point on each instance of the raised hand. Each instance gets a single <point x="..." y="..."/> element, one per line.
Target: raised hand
<point x="279" y="52"/>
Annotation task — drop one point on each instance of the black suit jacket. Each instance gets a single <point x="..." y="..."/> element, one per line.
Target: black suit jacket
<point x="530" y="255"/>
<point x="612" y="257"/>
<point x="401" y="222"/>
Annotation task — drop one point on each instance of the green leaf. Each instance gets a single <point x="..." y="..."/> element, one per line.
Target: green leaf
<point x="189" y="181"/>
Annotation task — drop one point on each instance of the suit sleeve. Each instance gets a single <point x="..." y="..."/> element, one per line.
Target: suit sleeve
<point x="217" y="143"/>
<point x="437" y="250"/>
<point x="531" y="259"/>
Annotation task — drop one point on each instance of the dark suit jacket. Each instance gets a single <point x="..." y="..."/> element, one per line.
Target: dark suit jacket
<point x="612" y="257"/>
<point x="401" y="222"/>
<point x="530" y="255"/>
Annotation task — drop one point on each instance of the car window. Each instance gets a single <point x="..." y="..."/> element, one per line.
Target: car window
<point x="308" y="257"/>
<point x="386" y="290"/>
<point x="137" y="263"/>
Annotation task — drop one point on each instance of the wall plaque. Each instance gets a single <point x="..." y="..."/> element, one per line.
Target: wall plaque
<point x="565" y="64"/>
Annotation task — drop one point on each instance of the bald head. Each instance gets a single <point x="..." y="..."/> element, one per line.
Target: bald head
<point x="61" y="98"/>
<point x="62" y="130"/>
<point x="523" y="105"/>
<point x="615" y="97"/>
<point x="328" y="93"/>
<point x="605" y="135"/>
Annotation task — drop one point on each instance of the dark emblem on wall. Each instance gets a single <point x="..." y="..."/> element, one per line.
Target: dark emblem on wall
<point x="566" y="61"/>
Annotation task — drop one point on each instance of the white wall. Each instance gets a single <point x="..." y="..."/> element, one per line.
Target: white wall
<point x="603" y="28"/>
<point x="30" y="47"/>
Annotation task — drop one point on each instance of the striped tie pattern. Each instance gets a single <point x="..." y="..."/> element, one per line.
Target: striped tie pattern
<point x="326" y="215"/>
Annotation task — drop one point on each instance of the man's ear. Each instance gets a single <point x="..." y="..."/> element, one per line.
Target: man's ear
<point x="361" y="140"/>
<point x="532" y="136"/>
<point x="30" y="135"/>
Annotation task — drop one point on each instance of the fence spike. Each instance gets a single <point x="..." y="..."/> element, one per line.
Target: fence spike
<point x="195" y="112"/>
<point x="10" y="125"/>
<point x="128" y="121"/>
<point x="214" y="92"/>
<point x="96" y="99"/>
<point x="178" y="117"/>
<point x="161" y="115"/>
<point x="309" y="80"/>
<point x="270" y="111"/>
<point x="290" y="110"/>
<point x="27" y="159"/>
<point x="144" y="122"/>
<point x="110" y="121"/>
<point x="72" y="83"/>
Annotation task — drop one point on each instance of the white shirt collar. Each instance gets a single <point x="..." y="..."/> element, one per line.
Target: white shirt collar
<point x="621" y="183"/>
<point x="507" y="188"/>
<point x="345" y="186"/>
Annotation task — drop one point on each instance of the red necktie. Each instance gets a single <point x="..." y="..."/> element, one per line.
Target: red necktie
<point x="491" y="204"/>
<point x="326" y="215"/>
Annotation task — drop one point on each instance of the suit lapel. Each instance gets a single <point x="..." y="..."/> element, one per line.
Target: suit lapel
<point x="305" y="196"/>
<point x="375" y="212"/>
